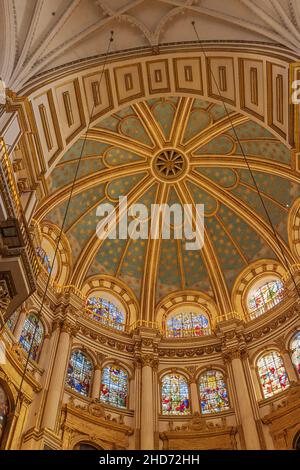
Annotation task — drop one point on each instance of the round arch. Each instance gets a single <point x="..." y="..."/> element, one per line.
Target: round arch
<point x="114" y="290"/>
<point x="46" y="237"/>
<point x="294" y="229"/>
<point x="251" y="276"/>
<point x="189" y="298"/>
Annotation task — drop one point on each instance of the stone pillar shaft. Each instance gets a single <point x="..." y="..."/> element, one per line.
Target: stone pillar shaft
<point x="96" y="382"/>
<point x="147" y="418"/>
<point x="245" y="411"/>
<point x="19" y="324"/>
<point x="289" y="366"/>
<point x="56" y="385"/>
<point x="195" y="398"/>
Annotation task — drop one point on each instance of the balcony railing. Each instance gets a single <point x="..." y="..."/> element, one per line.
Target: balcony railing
<point x="106" y="322"/>
<point x="58" y="288"/>
<point x="186" y="333"/>
<point x="13" y="206"/>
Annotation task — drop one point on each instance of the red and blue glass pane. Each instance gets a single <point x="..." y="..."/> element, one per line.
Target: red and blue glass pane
<point x="175" y="395"/>
<point x="79" y="374"/>
<point x="272" y="374"/>
<point x="295" y="347"/>
<point x="213" y="392"/>
<point x="114" y="387"/>
<point x="106" y="313"/>
<point x="266" y="296"/>
<point x="187" y="324"/>
<point x="32" y="336"/>
<point x="45" y="260"/>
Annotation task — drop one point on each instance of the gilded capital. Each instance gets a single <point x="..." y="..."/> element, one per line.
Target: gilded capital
<point x="149" y="360"/>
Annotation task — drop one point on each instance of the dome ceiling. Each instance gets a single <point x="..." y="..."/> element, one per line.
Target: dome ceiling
<point x="122" y="156"/>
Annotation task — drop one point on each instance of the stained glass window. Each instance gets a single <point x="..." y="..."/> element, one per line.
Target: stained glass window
<point x="4" y="408"/>
<point x="114" y="386"/>
<point x="265" y="297"/>
<point x="295" y="349"/>
<point x="11" y="322"/>
<point x="79" y="374"/>
<point x="45" y="260"/>
<point x="187" y="324"/>
<point x="175" y="395"/>
<point x="272" y="374"/>
<point x="213" y="392"/>
<point x="106" y="312"/>
<point x="32" y="332"/>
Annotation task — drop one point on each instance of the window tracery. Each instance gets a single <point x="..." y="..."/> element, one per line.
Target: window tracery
<point x="272" y="374"/>
<point x="114" y="386"/>
<point x="213" y="392"/>
<point x="186" y="324"/>
<point x="32" y="335"/>
<point x="265" y="297"/>
<point x="79" y="373"/>
<point x="175" y="395"/>
<point x="106" y="312"/>
<point x="44" y="258"/>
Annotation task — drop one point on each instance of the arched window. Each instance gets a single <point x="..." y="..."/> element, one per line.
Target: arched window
<point x="79" y="374"/>
<point x="272" y="374"/>
<point x="4" y="409"/>
<point x="114" y="386"/>
<point x="32" y="333"/>
<point x="44" y="258"/>
<point x="265" y="297"/>
<point x="106" y="312"/>
<point x="295" y="350"/>
<point x="175" y="395"/>
<point x="213" y="392"/>
<point x="184" y="324"/>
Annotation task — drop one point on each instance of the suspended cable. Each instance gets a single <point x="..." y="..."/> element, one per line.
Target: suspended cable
<point x="286" y="262"/>
<point x="38" y="315"/>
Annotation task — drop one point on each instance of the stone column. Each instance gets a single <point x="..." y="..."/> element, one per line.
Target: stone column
<point x="132" y="397"/>
<point x="137" y="402"/>
<point x="43" y="359"/>
<point x="289" y="366"/>
<point x="19" y="324"/>
<point x="147" y="404"/>
<point x="56" y="385"/>
<point x="195" y="405"/>
<point x="243" y="404"/>
<point x="96" y="382"/>
<point x="46" y="362"/>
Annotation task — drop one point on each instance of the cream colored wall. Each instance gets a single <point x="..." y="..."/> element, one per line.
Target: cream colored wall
<point x="146" y="348"/>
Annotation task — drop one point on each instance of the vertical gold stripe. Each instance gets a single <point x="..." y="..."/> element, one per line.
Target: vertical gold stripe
<point x="68" y="108"/>
<point x="46" y="128"/>
<point x="128" y="81"/>
<point x="254" y="86"/>
<point x="279" y="98"/>
<point x="96" y="93"/>
<point x="188" y="73"/>
<point x="222" y="78"/>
